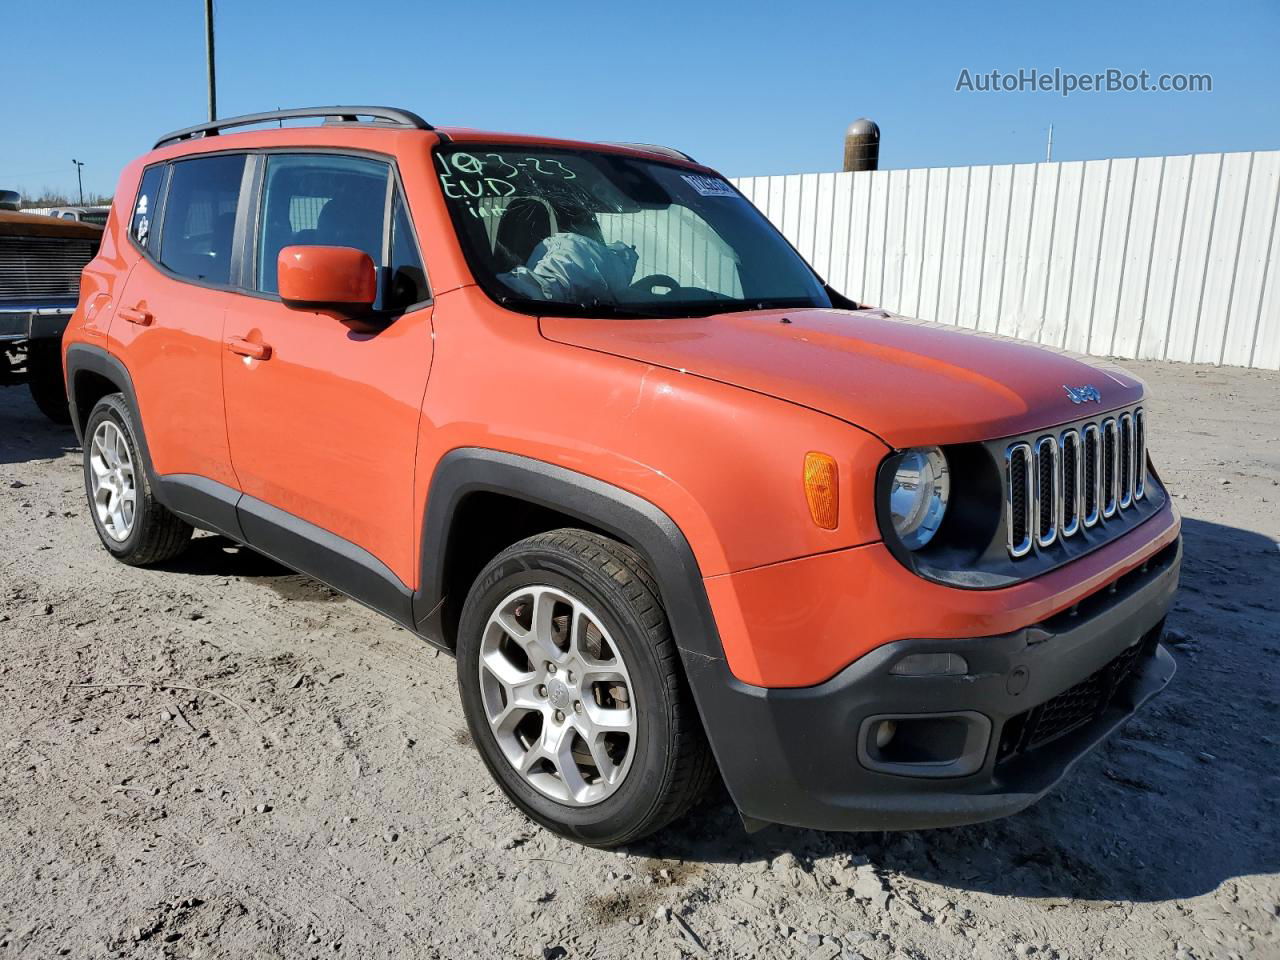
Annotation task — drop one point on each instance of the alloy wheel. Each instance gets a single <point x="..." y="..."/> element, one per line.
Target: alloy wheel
<point x="112" y="481"/>
<point x="557" y="695"/>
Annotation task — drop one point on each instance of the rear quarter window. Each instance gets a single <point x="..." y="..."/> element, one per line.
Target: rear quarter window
<point x="145" y="204"/>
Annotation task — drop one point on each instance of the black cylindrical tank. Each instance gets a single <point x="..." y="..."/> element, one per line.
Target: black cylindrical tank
<point x="862" y="145"/>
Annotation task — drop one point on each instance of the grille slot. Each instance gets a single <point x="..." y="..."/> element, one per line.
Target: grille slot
<point x="1056" y="487"/>
<point x="1070" y="483"/>
<point x="1125" y="480"/>
<point x="1110" y="468"/>
<point x="1139" y="454"/>
<point x="42" y="267"/>
<point x="1019" y="497"/>
<point x="1092" y="474"/>
<point x="1048" y="493"/>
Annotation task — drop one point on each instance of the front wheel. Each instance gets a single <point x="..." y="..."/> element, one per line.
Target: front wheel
<point x="573" y="691"/>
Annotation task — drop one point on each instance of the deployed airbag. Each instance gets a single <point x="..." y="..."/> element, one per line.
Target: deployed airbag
<point x="571" y="268"/>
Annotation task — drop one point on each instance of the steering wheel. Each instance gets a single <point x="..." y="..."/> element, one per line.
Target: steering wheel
<point x="647" y="284"/>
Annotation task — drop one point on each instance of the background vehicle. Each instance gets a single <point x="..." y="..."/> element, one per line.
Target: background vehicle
<point x="96" y="214"/>
<point x="40" y="263"/>
<point x="578" y="414"/>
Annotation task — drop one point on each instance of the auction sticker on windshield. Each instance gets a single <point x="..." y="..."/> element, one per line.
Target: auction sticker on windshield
<point x="708" y="186"/>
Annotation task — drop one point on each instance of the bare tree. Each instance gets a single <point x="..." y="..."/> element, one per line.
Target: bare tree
<point x="51" y="197"/>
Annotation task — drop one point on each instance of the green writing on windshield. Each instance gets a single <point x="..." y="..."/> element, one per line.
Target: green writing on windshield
<point x="470" y="176"/>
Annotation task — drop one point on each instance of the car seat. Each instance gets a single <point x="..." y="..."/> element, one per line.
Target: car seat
<point x="524" y="224"/>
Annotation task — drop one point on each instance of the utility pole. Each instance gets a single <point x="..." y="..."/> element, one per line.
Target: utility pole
<point x="79" y="180"/>
<point x="1048" y="150"/>
<point x="208" y="45"/>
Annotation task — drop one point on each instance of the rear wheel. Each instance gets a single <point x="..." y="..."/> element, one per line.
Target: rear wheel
<point x="45" y="379"/>
<point x="573" y="691"/>
<point x="135" y="527"/>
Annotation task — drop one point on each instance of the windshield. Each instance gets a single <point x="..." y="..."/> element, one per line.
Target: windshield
<point x="604" y="234"/>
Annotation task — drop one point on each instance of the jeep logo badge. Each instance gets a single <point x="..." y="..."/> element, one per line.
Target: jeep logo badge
<point x="1085" y="394"/>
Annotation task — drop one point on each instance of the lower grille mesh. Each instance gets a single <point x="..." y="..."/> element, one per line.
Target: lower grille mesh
<point x="1074" y="707"/>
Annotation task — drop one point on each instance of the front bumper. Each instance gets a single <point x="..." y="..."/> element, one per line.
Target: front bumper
<point x="1039" y="698"/>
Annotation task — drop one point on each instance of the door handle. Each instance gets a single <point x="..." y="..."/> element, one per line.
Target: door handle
<point x="247" y="348"/>
<point x="135" y="315"/>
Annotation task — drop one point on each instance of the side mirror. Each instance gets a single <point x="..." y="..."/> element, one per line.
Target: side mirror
<point x="339" y="280"/>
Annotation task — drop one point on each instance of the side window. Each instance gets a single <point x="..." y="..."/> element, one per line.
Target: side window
<point x="200" y="217"/>
<point x="408" y="279"/>
<point x="322" y="200"/>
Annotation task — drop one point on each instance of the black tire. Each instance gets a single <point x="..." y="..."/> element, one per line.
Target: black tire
<point x="672" y="765"/>
<point x="157" y="535"/>
<point x="45" y="379"/>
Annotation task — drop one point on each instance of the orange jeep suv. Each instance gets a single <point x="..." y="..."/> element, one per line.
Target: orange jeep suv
<point x="577" y="414"/>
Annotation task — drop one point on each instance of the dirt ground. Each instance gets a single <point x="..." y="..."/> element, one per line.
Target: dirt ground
<point x="223" y="759"/>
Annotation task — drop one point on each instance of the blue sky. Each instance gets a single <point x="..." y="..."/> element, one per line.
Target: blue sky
<point x="748" y="87"/>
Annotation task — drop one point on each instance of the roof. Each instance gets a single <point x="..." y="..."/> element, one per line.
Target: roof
<point x="343" y="126"/>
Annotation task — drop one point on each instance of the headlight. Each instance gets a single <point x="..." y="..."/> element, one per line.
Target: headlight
<point x="918" y="497"/>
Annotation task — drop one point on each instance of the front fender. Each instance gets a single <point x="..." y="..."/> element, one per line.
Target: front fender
<point x="622" y="514"/>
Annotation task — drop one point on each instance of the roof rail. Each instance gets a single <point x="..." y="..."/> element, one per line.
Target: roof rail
<point x="390" y="115"/>
<point x="653" y="148"/>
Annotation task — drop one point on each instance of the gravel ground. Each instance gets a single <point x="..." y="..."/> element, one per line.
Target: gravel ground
<point x="224" y="759"/>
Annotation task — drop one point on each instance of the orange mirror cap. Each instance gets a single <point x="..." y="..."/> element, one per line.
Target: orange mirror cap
<point x="822" y="489"/>
<point x="316" y="276"/>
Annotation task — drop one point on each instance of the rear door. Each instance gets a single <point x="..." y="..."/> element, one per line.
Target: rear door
<point x="168" y="327"/>
<point x="323" y="429"/>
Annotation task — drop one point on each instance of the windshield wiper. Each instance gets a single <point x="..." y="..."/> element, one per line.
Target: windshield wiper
<point x="599" y="309"/>
<point x="653" y="311"/>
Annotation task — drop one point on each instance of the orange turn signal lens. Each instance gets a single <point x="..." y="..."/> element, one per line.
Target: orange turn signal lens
<point x="822" y="489"/>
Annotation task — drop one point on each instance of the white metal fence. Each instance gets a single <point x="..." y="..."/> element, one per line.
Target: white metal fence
<point x="1169" y="258"/>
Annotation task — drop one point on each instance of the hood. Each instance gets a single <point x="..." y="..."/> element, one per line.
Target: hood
<point x="17" y="224"/>
<point x="909" y="382"/>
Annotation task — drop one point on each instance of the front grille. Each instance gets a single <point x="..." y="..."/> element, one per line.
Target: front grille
<point x="1058" y="486"/>
<point x="1073" y="708"/>
<point x="33" y="268"/>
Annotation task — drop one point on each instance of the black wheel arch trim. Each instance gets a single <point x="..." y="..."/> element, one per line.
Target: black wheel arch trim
<point x="612" y="510"/>
<point x="87" y="358"/>
<point x="620" y="513"/>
